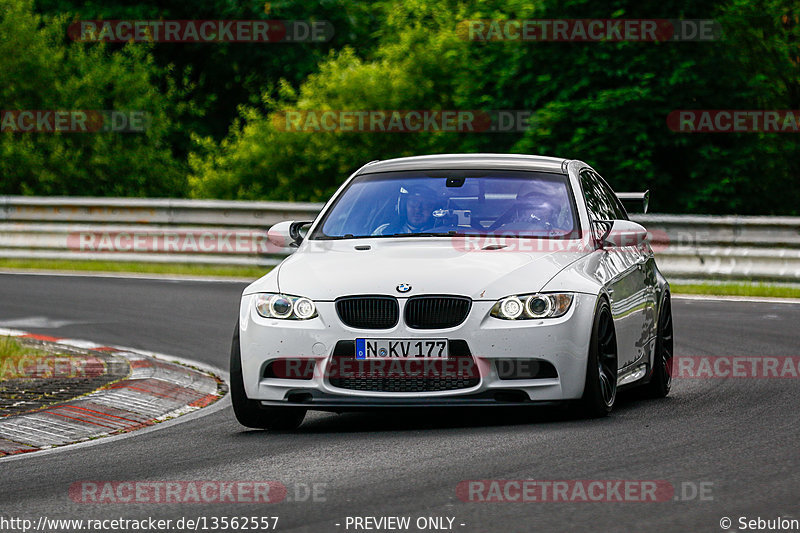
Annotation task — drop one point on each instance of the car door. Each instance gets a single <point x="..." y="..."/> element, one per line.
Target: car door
<point x="621" y="269"/>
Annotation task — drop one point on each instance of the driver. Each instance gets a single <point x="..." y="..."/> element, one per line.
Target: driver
<point x="415" y="207"/>
<point x="536" y="208"/>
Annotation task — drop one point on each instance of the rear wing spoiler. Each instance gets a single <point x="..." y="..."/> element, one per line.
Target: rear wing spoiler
<point x="630" y="198"/>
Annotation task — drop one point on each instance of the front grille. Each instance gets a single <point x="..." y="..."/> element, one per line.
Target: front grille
<point x="436" y="312"/>
<point x="457" y="372"/>
<point x="368" y="312"/>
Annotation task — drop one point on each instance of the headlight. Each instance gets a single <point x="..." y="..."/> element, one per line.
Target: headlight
<point x="532" y="306"/>
<point x="284" y="306"/>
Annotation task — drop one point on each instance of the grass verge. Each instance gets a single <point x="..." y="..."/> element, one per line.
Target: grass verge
<point x="11" y="353"/>
<point x="764" y="290"/>
<point x="178" y="269"/>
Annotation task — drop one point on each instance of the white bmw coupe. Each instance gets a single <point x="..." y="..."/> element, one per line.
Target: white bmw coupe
<point x="455" y="280"/>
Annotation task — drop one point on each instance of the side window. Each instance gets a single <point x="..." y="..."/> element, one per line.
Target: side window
<point x="611" y="200"/>
<point x="596" y="199"/>
<point x="595" y="203"/>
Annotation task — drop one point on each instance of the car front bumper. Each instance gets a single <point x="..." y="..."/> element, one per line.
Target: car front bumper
<point x="563" y="342"/>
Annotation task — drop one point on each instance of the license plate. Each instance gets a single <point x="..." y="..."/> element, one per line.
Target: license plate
<point x="401" y="349"/>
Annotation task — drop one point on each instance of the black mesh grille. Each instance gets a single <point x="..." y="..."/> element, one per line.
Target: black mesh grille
<point x="436" y="312"/>
<point x="368" y="312"/>
<point x="524" y="369"/>
<point x="459" y="372"/>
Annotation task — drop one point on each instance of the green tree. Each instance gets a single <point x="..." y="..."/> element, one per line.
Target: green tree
<point x="606" y="103"/>
<point x="43" y="71"/>
<point x="226" y="75"/>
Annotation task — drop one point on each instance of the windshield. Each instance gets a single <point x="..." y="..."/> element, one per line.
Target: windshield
<point x="458" y="202"/>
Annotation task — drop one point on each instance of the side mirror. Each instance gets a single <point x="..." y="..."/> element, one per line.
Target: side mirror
<point x="621" y="233"/>
<point x="288" y="234"/>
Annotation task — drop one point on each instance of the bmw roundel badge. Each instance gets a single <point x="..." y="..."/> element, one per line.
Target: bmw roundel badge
<point x="403" y="287"/>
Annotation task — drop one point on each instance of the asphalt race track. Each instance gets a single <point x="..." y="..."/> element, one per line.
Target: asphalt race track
<point x="737" y="436"/>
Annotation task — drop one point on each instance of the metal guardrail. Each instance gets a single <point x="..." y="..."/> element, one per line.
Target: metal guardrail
<point x="51" y="228"/>
<point x="234" y="233"/>
<point x="726" y="247"/>
<point x="214" y="213"/>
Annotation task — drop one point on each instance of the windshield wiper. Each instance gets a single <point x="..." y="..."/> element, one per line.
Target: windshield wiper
<point x="451" y="233"/>
<point x="335" y="237"/>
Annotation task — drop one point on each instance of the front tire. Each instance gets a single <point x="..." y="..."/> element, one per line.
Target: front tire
<point x="250" y="413"/>
<point x="600" y="390"/>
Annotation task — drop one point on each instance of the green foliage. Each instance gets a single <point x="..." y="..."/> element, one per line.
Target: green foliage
<point x="605" y="103"/>
<point x="41" y="71"/>
<point x="225" y="75"/>
<point x="416" y="67"/>
<point x="217" y="108"/>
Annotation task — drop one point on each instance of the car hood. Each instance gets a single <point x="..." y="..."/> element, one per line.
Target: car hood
<point x="326" y="270"/>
